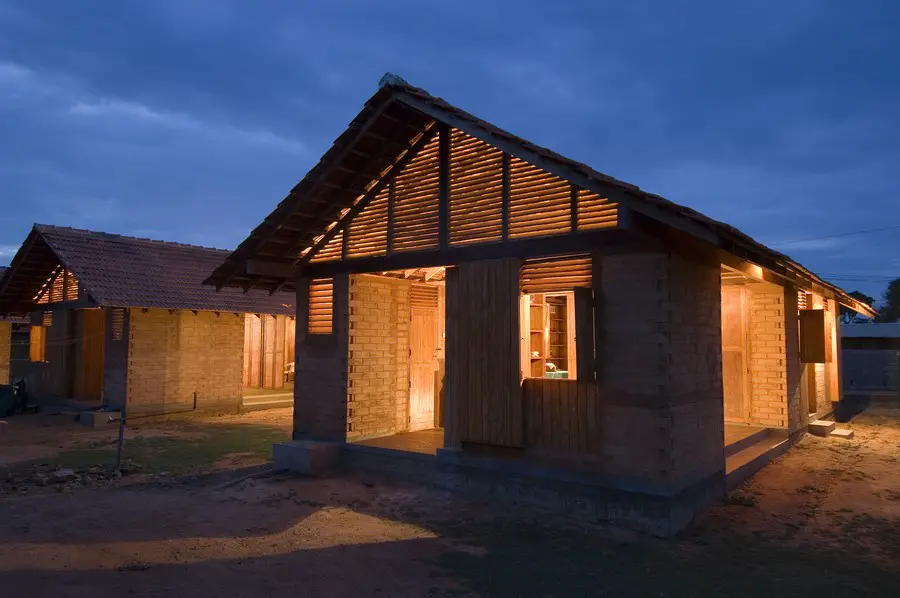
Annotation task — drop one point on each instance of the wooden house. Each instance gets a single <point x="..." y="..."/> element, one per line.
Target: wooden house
<point x="486" y="314"/>
<point x="119" y="320"/>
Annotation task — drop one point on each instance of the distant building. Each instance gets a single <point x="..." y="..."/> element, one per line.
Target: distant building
<point x="871" y="357"/>
<point x="116" y="320"/>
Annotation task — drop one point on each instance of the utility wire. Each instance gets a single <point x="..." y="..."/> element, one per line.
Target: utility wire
<point x="856" y="232"/>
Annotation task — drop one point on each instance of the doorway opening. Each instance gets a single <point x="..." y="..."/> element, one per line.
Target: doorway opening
<point x="395" y="386"/>
<point x="268" y="365"/>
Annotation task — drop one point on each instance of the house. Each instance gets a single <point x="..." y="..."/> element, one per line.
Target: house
<point x="119" y="320"/>
<point x="481" y="312"/>
<point x="871" y="362"/>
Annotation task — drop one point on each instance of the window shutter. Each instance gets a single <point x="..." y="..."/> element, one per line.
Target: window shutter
<point x="118" y="323"/>
<point x="812" y="336"/>
<point x="584" y="333"/>
<point x="321" y="305"/>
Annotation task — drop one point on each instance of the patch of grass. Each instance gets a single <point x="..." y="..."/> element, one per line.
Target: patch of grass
<point x="809" y="489"/>
<point x="740" y="499"/>
<point x="204" y="446"/>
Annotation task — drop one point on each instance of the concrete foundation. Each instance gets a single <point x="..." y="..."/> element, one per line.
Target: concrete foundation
<point x="510" y="482"/>
<point x="307" y="457"/>
<point x="98" y="419"/>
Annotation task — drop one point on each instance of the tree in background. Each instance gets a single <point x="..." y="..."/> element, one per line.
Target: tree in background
<point x="890" y="311"/>
<point x="848" y="316"/>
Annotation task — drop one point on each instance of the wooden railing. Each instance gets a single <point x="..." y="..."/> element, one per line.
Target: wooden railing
<point x="561" y="416"/>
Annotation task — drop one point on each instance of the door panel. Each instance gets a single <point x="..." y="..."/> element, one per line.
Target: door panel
<point x="90" y="378"/>
<point x="424" y="349"/>
<point x="734" y="353"/>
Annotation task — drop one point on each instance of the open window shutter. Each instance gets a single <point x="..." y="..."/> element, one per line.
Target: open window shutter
<point x="321" y="305"/>
<point x="812" y="336"/>
<point x="584" y="333"/>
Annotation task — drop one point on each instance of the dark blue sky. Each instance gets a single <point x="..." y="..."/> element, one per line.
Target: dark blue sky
<point x="188" y="120"/>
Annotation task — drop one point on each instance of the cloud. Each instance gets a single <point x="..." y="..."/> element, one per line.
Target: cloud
<point x="111" y="109"/>
<point x="808" y="244"/>
<point x="7" y="252"/>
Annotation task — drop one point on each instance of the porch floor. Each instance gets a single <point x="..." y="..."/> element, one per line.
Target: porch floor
<point x="737" y="432"/>
<point x="426" y="442"/>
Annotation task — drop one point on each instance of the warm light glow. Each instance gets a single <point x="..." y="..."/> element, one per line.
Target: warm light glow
<point x="755" y="271"/>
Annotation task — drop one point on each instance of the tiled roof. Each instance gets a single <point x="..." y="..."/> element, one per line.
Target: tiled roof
<point x="119" y="271"/>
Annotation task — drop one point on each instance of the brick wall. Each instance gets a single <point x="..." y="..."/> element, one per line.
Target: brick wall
<point x="175" y="357"/>
<point x="793" y="367"/>
<point x="378" y="366"/>
<point x="768" y="373"/>
<point x="695" y="369"/>
<point x="320" y="390"/>
<point x="5" y="340"/>
<point x="661" y="378"/>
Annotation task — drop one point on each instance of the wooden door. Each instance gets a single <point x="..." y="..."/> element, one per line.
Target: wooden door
<point x="90" y="376"/>
<point x="424" y="349"/>
<point x="734" y="353"/>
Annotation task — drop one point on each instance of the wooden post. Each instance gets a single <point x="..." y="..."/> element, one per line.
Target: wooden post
<point x="444" y="186"/>
<point x="504" y="206"/>
<point x="573" y="208"/>
<point x="390" y="220"/>
<point x="599" y="328"/>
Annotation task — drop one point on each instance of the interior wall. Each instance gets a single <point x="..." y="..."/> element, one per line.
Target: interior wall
<point x="768" y="355"/>
<point x="379" y="356"/>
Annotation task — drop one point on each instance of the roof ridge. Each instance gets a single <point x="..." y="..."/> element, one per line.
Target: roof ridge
<point x="43" y="228"/>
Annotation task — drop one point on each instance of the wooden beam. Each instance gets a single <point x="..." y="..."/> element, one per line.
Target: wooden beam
<point x="432" y="272"/>
<point x="504" y="199"/>
<point x="573" y="208"/>
<point x="389" y="176"/>
<point x="390" y="220"/>
<point x="270" y="269"/>
<point x="444" y="186"/>
<point x="334" y="162"/>
<point x="517" y="248"/>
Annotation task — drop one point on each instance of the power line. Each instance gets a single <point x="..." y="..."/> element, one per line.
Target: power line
<point x="856" y="232"/>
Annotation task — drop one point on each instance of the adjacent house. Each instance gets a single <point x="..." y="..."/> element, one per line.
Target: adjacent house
<point x="119" y="320"/>
<point x="484" y="313"/>
<point x="871" y="360"/>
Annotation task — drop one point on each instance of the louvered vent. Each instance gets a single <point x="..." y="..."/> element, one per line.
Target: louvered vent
<point x="47" y="319"/>
<point x="547" y="275"/>
<point x="71" y="287"/>
<point x="423" y="295"/>
<point x="368" y="231"/>
<point x="331" y="251"/>
<point x="476" y="190"/>
<point x="57" y="288"/>
<point x="118" y="323"/>
<point x="595" y="211"/>
<point x="804" y="300"/>
<point x="539" y="202"/>
<point x="415" y="210"/>
<point x="321" y="305"/>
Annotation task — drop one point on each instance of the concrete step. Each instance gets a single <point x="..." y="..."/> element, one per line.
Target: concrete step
<point x="736" y="447"/>
<point x="844" y="433"/>
<point x="746" y="462"/>
<point x="821" y="427"/>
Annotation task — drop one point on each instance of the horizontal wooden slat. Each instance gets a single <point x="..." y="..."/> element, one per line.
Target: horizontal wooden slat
<point x="321" y="305"/>
<point x="423" y="295"/>
<point x="556" y="274"/>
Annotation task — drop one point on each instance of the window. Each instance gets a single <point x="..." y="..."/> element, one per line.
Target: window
<point x="556" y="310"/>
<point x="321" y="305"/>
<point x="550" y="342"/>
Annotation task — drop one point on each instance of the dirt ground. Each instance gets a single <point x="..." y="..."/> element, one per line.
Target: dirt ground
<point x="822" y="520"/>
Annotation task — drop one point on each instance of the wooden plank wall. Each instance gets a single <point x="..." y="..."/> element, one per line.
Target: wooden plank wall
<point x="483" y="354"/>
<point x="264" y="350"/>
<point x="561" y="416"/>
